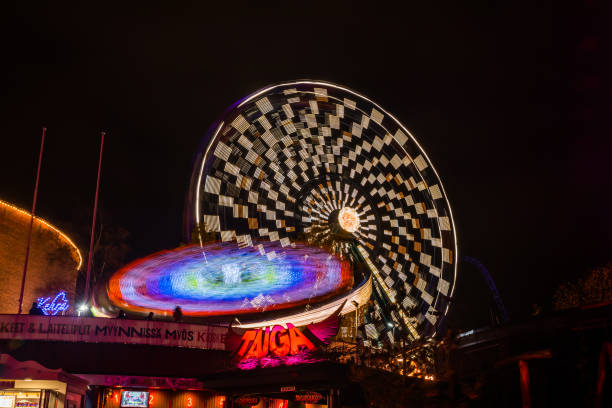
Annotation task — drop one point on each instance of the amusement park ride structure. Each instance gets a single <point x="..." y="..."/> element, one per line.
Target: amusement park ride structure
<point x="291" y="170"/>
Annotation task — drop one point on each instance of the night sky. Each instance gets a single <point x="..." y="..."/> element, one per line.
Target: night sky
<point x="510" y="103"/>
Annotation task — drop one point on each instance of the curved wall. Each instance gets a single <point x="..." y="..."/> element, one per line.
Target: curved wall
<point x="53" y="265"/>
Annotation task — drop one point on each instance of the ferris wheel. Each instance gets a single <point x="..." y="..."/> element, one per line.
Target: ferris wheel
<point x="314" y="163"/>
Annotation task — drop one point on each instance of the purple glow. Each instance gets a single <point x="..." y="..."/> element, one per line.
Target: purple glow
<point x="303" y="357"/>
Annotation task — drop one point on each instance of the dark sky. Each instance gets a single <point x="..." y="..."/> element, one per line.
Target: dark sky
<point x="510" y="103"/>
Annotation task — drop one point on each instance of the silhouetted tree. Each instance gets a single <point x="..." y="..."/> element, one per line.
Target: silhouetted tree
<point x="111" y="248"/>
<point x="595" y="288"/>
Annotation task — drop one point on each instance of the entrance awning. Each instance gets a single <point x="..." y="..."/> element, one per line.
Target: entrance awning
<point x="30" y="374"/>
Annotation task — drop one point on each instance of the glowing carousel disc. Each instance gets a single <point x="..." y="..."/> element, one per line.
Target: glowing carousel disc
<point x="218" y="280"/>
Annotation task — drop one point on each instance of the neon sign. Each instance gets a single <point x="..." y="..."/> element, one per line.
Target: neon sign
<point x="53" y="306"/>
<point x="276" y="345"/>
<point x="276" y="341"/>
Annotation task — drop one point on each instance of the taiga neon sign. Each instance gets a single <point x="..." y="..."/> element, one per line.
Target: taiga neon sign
<point x="281" y="345"/>
<point x="273" y="341"/>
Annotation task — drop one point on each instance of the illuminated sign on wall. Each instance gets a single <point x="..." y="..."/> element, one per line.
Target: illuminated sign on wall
<point x="275" y="341"/>
<point x="277" y="345"/>
<point x="309" y="397"/>
<point x="51" y="306"/>
<point x="135" y="399"/>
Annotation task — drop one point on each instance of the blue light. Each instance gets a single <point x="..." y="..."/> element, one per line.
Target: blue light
<point x="53" y="306"/>
<point x="228" y="280"/>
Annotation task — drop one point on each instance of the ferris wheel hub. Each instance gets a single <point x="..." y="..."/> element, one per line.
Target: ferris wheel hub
<point x="348" y="219"/>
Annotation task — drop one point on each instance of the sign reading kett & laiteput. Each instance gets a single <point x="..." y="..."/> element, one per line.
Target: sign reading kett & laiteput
<point x="97" y="330"/>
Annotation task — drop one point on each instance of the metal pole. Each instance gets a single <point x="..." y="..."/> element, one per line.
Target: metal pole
<point x="356" y="343"/>
<point x="525" y="393"/>
<point x="27" y="255"/>
<point x="93" y="222"/>
<point x="355" y="325"/>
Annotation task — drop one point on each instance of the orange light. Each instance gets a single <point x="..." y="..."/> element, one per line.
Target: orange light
<point x="189" y="402"/>
<point x="51" y="227"/>
<point x="150" y="399"/>
<point x="348" y="219"/>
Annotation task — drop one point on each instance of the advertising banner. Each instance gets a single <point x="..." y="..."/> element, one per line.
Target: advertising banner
<point x="100" y="330"/>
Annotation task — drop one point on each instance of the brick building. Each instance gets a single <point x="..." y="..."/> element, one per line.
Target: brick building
<point x="53" y="264"/>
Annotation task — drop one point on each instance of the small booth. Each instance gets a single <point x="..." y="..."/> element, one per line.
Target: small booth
<point x="27" y="384"/>
<point x="129" y="391"/>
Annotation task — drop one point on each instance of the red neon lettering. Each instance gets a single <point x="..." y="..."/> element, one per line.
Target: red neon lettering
<point x="298" y="340"/>
<point x="260" y="346"/>
<point x="266" y="343"/>
<point x="279" y="341"/>
<point x="255" y="351"/>
<point x="247" y="337"/>
<point x="150" y="399"/>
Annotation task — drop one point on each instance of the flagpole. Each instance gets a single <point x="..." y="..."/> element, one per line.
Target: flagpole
<point x="27" y="255"/>
<point x="93" y="223"/>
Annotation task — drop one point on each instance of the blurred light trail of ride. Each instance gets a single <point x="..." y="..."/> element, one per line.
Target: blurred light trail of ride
<point x="230" y="282"/>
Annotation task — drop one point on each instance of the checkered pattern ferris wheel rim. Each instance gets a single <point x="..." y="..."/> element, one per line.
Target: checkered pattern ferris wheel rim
<point x="296" y="115"/>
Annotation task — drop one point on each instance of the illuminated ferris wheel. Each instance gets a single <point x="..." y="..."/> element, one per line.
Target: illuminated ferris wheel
<point x="316" y="164"/>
